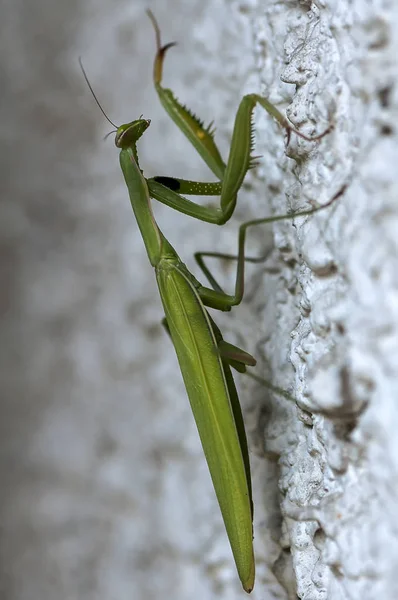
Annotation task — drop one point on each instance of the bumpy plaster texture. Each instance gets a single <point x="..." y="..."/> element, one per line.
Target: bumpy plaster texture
<point x="338" y="477"/>
<point x="106" y="491"/>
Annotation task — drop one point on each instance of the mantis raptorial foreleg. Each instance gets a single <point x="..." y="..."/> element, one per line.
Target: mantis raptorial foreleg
<point x="231" y="175"/>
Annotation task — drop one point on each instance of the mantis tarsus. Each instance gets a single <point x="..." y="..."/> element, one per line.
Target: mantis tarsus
<point x="205" y="358"/>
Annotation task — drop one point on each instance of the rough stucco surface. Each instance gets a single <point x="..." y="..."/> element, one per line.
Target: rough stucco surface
<point x="105" y="493"/>
<point x="340" y="469"/>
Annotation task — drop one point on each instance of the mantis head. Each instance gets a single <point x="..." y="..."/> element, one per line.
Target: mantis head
<point x="128" y="134"/>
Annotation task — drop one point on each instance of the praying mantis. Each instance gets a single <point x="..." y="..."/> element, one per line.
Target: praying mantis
<point x="205" y="358"/>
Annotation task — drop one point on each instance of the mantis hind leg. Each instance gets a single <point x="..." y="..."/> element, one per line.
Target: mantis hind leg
<point x="235" y="356"/>
<point x="273" y="388"/>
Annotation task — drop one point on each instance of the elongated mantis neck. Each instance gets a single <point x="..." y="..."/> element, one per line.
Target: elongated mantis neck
<point x="156" y="245"/>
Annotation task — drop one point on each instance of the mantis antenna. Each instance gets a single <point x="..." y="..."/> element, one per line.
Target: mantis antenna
<point x="95" y="97"/>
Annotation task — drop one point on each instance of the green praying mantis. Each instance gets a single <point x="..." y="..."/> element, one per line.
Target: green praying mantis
<point x="205" y="358"/>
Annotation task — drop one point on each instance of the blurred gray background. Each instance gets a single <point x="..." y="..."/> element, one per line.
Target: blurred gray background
<point x="104" y="490"/>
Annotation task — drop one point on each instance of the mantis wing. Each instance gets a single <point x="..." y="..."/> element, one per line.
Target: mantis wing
<point x="208" y="391"/>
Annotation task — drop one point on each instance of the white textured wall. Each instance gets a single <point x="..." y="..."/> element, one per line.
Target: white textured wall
<point x="105" y="493"/>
